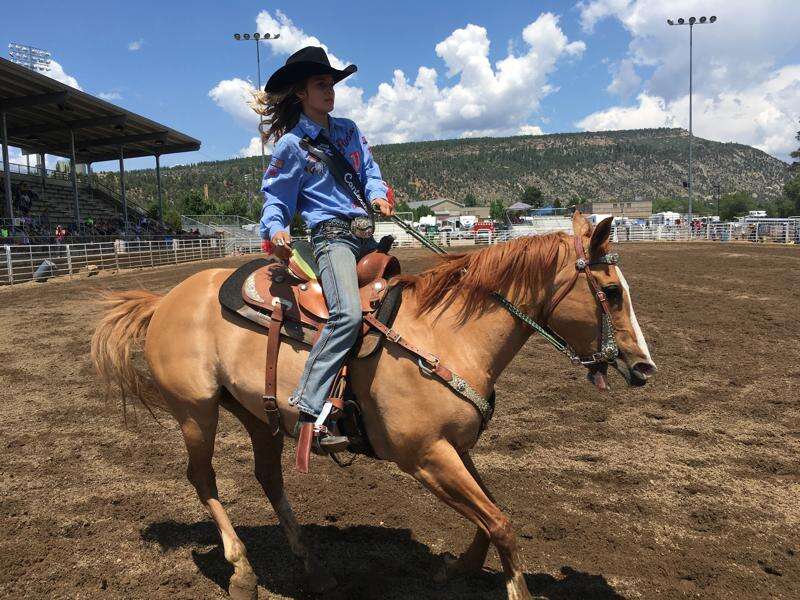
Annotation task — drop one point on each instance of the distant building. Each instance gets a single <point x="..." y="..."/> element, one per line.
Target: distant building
<point x="634" y="209"/>
<point x="444" y="208"/>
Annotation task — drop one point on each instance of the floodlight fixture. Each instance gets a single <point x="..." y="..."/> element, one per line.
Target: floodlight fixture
<point x="237" y="36"/>
<point x="670" y="22"/>
<point x="256" y="36"/>
<point x="702" y="19"/>
<point x="681" y="21"/>
<point x="712" y="19"/>
<point x="246" y="36"/>
<point x="692" y="20"/>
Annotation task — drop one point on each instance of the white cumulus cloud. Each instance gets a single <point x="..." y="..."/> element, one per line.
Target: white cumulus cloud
<point x="764" y="115"/>
<point x="136" y="45"/>
<point x="57" y="72"/>
<point x="474" y="97"/>
<point x="745" y="81"/>
<point x="625" y="79"/>
<point x="109" y="96"/>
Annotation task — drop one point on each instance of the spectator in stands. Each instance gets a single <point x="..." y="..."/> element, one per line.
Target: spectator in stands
<point x="61" y="233"/>
<point x="44" y="220"/>
<point x="23" y="200"/>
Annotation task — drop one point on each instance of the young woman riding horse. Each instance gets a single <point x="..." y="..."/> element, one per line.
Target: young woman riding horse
<point x="299" y="97"/>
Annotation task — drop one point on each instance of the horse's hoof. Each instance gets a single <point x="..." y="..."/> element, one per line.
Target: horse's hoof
<point x="243" y="587"/>
<point x="446" y="570"/>
<point x="323" y="583"/>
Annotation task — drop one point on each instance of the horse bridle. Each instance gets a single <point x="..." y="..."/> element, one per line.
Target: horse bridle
<point x="608" y="350"/>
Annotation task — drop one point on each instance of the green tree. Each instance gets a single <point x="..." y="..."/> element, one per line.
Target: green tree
<point x="193" y="203"/>
<point x="422" y="211"/>
<point x="497" y="211"/>
<point x="470" y="200"/>
<point x="402" y="207"/>
<point x="791" y="192"/>
<point x="172" y="219"/>
<point x="532" y="195"/>
<point x="791" y="189"/>
<point x="734" y="205"/>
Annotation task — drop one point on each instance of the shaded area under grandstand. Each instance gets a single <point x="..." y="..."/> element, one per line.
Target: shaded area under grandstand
<point x="42" y="116"/>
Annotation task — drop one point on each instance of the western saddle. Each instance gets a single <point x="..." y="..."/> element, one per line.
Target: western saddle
<point x="288" y="300"/>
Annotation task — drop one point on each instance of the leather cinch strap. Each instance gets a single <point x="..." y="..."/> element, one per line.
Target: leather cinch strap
<point x="271" y="373"/>
<point x="432" y="365"/>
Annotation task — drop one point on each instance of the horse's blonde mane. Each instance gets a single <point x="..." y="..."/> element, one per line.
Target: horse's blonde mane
<point x="511" y="268"/>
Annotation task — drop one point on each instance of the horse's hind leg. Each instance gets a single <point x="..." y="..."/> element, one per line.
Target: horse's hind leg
<point x="444" y="473"/>
<point x="199" y="427"/>
<point x="267" y="451"/>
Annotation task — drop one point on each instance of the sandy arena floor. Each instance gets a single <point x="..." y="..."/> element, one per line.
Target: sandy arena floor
<point x="689" y="487"/>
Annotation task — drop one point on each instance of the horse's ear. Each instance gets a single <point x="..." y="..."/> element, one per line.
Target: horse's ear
<point x="580" y="226"/>
<point x="600" y="236"/>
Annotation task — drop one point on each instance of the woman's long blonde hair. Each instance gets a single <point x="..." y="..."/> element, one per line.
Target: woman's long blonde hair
<point x="281" y="110"/>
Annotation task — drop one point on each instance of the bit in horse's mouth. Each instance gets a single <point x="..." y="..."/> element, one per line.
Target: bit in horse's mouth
<point x="637" y="375"/>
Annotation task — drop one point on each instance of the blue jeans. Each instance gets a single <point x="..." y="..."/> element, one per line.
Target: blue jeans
<point x="337" y="251"/>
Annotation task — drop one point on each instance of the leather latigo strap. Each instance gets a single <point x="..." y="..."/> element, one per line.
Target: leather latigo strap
<point x="271" y="373"/>
<point x="458" y="384"/>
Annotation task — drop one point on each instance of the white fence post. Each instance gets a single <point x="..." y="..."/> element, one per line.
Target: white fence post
<point x="10" y="265"/>
<point x="175" y="249"/>
<point x="150" y="246"/>
<point x="69" y="262"/>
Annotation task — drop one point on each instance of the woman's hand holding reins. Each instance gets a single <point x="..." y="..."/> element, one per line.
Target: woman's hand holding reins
<point x="382" y="205"/>
<point x="282" y="245"/>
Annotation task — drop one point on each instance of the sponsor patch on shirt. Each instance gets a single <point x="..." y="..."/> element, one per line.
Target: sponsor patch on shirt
<point x="275" y="166"/>
<point x="355" y="158"/>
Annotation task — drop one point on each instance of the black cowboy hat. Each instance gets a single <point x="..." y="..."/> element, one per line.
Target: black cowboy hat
<point x="304" y="63"/>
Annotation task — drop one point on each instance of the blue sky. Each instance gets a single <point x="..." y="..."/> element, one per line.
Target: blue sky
<point x="596" y="64"/>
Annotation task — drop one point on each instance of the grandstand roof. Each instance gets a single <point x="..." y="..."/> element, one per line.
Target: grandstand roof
<point x="41" y="111"/>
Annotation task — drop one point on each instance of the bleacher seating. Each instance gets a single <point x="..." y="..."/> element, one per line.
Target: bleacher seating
<point x="58" y="199"/>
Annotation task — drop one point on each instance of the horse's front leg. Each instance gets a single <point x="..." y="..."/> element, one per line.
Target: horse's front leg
<point x="442" y="471"/>
<point x="473" y="558"/>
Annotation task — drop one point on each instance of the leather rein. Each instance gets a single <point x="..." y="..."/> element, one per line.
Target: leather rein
<point x="607" y="352"/>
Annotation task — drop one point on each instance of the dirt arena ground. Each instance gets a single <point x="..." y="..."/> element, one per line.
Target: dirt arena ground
<point x="689" y="487"/>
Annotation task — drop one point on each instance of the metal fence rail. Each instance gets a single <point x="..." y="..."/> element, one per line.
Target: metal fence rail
<point x="21" y="263"/>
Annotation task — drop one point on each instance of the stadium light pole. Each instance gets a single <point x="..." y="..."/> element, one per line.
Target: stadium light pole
<point x="691" y="22"/>
<point x="257" y="37"/>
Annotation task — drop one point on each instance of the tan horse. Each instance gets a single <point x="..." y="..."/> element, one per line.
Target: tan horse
<point x="200" y="358"/>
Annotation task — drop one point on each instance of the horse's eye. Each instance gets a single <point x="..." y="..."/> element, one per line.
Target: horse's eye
<point x="612" y="292"/>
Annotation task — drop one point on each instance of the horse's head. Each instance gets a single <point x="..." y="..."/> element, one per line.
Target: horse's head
<point x="590" y="291"/>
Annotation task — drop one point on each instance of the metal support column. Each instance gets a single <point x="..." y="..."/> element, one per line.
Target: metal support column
<point x="260" y="117"/>
<point x="158" y="188"/>
<point x="122" y="189"/>
<point x="7" y="173"/>
<point x="691" y="28"/>
<point x="74" y="175"/>
<point x="42" y="170"/>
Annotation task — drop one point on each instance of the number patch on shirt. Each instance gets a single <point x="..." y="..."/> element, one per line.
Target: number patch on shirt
<point x="355" y="158"/>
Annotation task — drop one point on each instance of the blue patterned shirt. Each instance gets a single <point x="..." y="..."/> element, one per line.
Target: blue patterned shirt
<point x="298" y="182"/>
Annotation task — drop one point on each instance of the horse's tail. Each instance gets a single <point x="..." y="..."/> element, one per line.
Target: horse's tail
<point x="116" y="341"/>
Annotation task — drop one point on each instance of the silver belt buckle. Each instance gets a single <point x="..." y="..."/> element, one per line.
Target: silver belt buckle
<point x="362" y="227"/>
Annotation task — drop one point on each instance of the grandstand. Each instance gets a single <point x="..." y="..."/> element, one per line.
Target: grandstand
<point x="42" y="116"/>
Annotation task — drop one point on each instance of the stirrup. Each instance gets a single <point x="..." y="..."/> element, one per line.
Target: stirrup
<point x="325" y="442"/>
